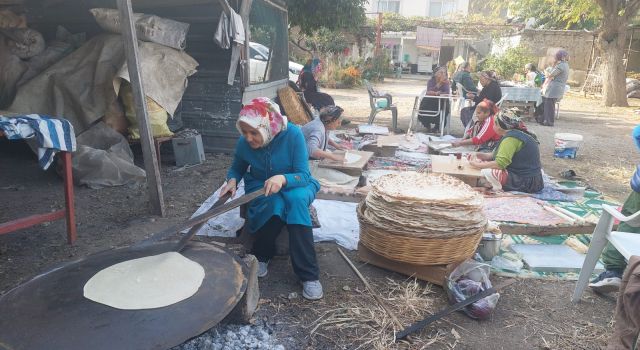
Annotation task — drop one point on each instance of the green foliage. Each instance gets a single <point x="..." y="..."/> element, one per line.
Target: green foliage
<point x="312" y="15"/>
<point x="374" y="69"/>
<point x="553" y="14"/>
<point x="326" y="41"/>
<point x="471" y="25"/>
<point x="511" y="62"/>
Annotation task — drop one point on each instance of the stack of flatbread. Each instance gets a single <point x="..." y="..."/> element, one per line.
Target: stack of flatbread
<point x="413" y="207"/>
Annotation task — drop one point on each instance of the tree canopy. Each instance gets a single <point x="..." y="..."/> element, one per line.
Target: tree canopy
<point x="553" y="14"/>
<point x="333" y="15"/>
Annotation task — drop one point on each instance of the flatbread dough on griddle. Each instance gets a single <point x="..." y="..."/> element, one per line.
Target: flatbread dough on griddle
<point x="146" y="283"/>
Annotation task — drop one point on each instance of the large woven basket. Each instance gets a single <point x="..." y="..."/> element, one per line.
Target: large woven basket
<point x="293" y="106"/>
<point x="440" y="250"/>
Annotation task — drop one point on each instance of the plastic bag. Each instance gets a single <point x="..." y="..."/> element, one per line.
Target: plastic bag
<point x="507" y="261"/>
<point x="157" y="115"/>
<point x="467" y="280"/>
<point x="103" y="158"/>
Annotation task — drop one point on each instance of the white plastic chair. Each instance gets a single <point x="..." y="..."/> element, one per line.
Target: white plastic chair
<point x="499" y="103"/>
<point x="626" y="243"/>
<point x="445" y="120"/>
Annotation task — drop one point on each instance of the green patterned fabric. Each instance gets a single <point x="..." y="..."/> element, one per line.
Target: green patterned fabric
<point x="588" y="207"/>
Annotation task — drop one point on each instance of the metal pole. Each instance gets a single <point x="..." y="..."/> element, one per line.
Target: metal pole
<point x="379" y="34"/>
<point x="154" y="184"/>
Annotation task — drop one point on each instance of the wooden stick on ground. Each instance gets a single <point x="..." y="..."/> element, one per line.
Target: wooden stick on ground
<point x="371" y="290"/>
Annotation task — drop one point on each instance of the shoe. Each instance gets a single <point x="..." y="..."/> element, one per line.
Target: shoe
<point x="607" y="282"/>
<point x="262" y="269"/>
<point x="312" y="290"/>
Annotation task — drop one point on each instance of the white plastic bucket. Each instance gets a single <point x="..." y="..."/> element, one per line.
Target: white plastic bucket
<point x="566" y="145"/>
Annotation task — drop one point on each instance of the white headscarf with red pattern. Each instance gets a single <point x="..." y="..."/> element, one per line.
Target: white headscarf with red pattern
<point x="264" y="115"/>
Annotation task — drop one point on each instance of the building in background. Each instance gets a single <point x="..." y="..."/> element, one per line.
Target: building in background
<point x="426" y="8"/>
<point x="402" y="46"/>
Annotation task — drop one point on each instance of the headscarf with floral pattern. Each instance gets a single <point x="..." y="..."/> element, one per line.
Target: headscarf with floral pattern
<point x="264" y="115"/>
<point x="508" y="119"/>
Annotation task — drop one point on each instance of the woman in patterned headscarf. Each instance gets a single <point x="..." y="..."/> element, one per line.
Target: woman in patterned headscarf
<point x="272" y="154"/>
<point x="515" y="164"/>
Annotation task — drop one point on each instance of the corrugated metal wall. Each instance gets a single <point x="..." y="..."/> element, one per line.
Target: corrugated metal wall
<point x="209" y="105"/>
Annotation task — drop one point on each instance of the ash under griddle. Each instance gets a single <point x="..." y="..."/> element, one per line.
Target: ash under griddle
<point x="234" y="337"/>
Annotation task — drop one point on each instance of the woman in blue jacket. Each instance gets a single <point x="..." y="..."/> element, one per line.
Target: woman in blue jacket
<point x="272" y="153"/>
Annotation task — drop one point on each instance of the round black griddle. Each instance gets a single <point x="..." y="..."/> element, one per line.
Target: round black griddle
<point x="50" y="311"/>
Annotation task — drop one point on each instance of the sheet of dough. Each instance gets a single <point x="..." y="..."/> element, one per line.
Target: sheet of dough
<point x="350" y="158"/>
<point x="146" y="283"/>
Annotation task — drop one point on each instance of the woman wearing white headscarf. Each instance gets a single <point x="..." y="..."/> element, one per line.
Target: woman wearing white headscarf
<point x="272" y="154"/>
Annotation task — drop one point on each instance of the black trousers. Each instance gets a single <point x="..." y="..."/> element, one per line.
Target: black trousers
<point x="548" y="111"/>
<point x="301" y="250"/>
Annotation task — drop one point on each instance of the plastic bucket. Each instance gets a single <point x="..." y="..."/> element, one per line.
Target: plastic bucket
<point x="566" y="145"/>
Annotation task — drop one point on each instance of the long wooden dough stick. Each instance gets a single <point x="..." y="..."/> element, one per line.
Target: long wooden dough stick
<point x="569" y="214"/>
<point x="558" y="214"/>
<point x="202" y="218"/>
<point x="373" y="293"/>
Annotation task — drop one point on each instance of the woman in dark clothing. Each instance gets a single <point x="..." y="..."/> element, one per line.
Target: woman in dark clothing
<point x="490" y="91"/>
<point x="437" y="85"/>
<point x="515" y="163"/>
<point x="309" y="86"/>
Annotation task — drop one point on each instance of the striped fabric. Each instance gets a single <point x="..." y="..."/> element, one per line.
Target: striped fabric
<point x="52" y="134"/>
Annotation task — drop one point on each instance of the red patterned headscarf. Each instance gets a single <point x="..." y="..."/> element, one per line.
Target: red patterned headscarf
<point x="264" y="115"/>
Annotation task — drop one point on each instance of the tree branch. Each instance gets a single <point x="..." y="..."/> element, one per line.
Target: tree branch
<point x="632" y="9"/>
<point x="300" y="46"/>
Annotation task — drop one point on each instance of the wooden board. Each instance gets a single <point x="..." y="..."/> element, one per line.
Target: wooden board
<point x="354" y="169"/>
<point x="435" y="274"/>
<point x="443" y="164"/>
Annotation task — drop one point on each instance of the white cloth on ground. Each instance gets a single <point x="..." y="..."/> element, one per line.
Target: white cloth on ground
<point x="339" y="221"/>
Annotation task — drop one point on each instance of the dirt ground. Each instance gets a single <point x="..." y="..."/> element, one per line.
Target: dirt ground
<point x="531" y="314"/>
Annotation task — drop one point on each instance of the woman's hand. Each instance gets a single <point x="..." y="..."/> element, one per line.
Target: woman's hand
<point x="230" y="187"/>
<point x="470" y="95"/>
<point x="274" y="184"/>
<point x="478" y="164"/>
<point x="337" y="157"/>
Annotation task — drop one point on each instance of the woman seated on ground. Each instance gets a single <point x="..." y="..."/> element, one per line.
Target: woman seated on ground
<point x="272" y="154"/>
<point x="482" y="133"/>
<point x="490" y="91"/>
<point x="316" y="134"/>
<point x="437" y="85"/>
<point x="515" y="164"/>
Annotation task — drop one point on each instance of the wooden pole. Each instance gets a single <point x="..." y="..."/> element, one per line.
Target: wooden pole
<point x="384" y="306"/>
<point x="154" y="184"/>
<point x="245" y="11"/>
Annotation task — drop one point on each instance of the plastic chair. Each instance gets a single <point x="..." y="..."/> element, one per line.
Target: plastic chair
<point x="444" y="122"/>
<point x="626" y="243"/>
<point x="374" y="96"/>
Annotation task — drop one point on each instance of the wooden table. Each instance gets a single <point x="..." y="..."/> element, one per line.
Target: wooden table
<point x="449" y="165"/>
<point x="68" y="213"/>
<point x="353" y="169"/>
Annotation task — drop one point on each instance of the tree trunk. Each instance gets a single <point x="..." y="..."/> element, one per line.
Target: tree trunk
<point x="611" y="42"/>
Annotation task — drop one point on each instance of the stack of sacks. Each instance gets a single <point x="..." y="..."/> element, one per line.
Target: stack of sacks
<point x="424" y="219"/>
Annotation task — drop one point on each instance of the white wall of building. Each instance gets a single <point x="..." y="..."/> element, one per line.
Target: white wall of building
<point x="410" y="8"/>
